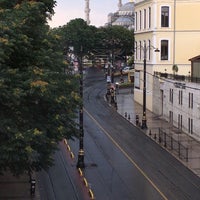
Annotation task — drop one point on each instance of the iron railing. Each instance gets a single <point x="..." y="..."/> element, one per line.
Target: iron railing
<point x="166" y="139"/>
<point x="178" y="77"/>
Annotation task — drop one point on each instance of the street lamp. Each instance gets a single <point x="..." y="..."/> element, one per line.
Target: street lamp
<point x="70" y="57"/>
<point x="144" y="120"/>
<point x="80" y="163"/>
<point x="113" y="47"/>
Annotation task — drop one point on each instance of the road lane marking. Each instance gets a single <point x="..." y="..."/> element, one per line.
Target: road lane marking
<point x="126" y="155"/>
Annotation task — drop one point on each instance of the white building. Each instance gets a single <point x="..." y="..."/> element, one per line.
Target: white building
<point x="171" y="27"/>
<point x="177" y="99"/>
<point x="179" y="103"/>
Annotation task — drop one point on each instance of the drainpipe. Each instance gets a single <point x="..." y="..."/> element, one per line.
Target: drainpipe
<point x="174" y="45"/>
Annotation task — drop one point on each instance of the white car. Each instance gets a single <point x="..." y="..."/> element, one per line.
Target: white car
<point x="126" y="69"/>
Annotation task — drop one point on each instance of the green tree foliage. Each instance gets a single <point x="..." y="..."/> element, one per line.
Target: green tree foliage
<point x="92" y="41"/>
<point x="47" y="9"/>
<point x="115" y="39"/>
<point x="38" y="101"/>
<point x="78" y="34"/>
<point x="175" y="68"/>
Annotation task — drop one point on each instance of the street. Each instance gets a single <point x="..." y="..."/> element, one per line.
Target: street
<point x="121" y="162"/>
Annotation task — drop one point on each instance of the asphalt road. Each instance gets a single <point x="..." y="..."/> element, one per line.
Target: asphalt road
<point x="121" y="162"/>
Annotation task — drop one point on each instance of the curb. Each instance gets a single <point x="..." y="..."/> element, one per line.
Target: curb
<point x="80" y="172"/>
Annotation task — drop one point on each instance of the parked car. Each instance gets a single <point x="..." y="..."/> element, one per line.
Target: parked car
<point x="126" y="69"/>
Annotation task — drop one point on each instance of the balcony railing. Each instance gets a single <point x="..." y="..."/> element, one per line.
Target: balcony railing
<point x="178" y="77"/>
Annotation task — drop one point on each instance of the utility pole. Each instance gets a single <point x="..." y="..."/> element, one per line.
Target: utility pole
<point x="80" y="163"/>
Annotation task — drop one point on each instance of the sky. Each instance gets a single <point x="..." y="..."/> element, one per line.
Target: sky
<point x="67" y="10"/>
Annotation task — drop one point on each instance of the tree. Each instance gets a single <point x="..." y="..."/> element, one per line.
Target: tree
<point x="92" y="42"/>
<point x="78" y="34"/>
<point x="115" y="41"/>
<point x="38" y="101"/>
<point x="175" y="68"/>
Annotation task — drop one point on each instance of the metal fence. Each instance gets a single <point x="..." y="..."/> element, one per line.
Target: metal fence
<point x="178" y="77"/>
<point x="166" y="139"/>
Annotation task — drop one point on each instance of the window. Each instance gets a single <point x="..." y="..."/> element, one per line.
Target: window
<point x="145" y="18"/>
<point x="149" y="50"/>
<point x="136" y="51"/>
<point x="165" y="16"/>
<point x="164" y="50"/>
<point x="149" y="17"/>
<point x="171" y="95"/>
<point x="140" y="20"/>
<point x="180" y="121"/>
<point x="190" y="125"/>
<point x="180" y="97"/>
<point x="190" y="100"/>
<point x="136" y="21"/>
<point x="171" y="117"/>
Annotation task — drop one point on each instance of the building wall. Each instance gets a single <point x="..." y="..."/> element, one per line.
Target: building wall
<point x="183" y="35"/>
<point x="183" y="32"/>
<point x="157" y="97"/>
<point x="188" y="108"/>
<point x="138" y="91"/>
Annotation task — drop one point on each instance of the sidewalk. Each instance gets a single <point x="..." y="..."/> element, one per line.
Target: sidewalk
<point x="179" y="144"/>
<point x="16" y="188"/>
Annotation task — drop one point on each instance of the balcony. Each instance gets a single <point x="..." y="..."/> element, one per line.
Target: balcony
<point x="178" y="77"/>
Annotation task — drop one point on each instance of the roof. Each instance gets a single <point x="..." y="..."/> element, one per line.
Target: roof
<point x="196" y="58"/>
<point x="123" y="20"/>
<point x="127" y="9"/>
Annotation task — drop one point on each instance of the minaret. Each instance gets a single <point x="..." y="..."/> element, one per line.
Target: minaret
<point x="87" y="12"/>
<point x="120" y="4"/>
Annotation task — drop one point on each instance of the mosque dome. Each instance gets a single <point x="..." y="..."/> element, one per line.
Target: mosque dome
<point x="110" y="14"/>
<point x="127" y="9"/>
<point x="124" y="16"/>
<point x="123" y="21"/>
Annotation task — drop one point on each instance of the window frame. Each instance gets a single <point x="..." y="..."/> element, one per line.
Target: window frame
<point x="149" y="17"/>
<point x="164" y="54"/>
<point x="165" y="16"/>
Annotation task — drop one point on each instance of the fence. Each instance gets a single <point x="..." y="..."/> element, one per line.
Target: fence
<point x="178" y="77"/>
<point x="167" y="140"/>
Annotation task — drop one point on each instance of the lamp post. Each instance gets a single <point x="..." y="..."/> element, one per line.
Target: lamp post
<point x="144" y="119"/>
<point x="80" y="163"/>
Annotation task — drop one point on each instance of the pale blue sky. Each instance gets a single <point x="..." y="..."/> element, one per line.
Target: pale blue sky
<point x="71" y="9"/>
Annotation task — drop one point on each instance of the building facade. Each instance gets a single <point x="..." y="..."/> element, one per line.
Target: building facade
<point x="178" y="101"/>
<point x="171" y="27"/>
<point x="123" y="17"/>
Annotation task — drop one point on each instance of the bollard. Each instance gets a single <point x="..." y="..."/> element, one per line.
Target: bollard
<point x="155" y="137"/>
<point x="125" y="114"/>
<point x="129" y="117"/>
<point x="115" y="105"/>
<point x="137" y="120"/>
<point x="33" y="187"/>
<point x="165" y="142"/>
<point x="150" y="132"/>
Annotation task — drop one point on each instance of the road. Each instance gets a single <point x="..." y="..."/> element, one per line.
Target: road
<point x="121" y="162"/>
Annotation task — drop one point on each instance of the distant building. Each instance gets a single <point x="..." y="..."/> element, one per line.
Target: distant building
<point x="123" y="17"/>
